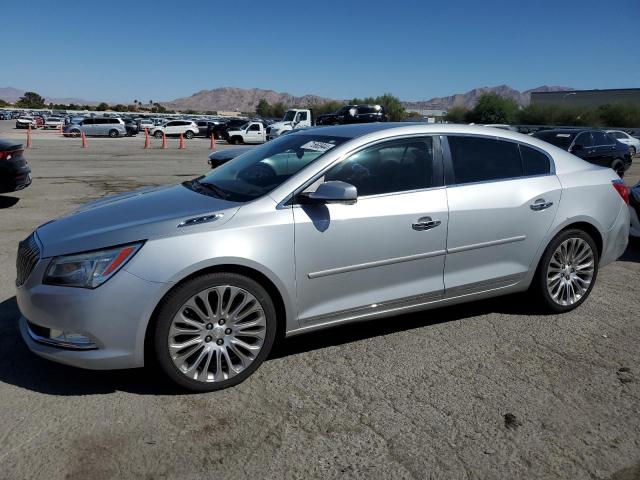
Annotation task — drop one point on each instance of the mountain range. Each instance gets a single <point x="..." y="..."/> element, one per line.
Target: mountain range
<point x="12" y="95"/>
<point x="246" y="100"/>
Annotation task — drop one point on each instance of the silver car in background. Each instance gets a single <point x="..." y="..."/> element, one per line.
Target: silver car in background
<point x="315" y="229"/>
<point x="97" y="126"/>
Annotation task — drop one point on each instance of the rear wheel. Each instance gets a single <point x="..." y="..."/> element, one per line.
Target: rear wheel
<point x="74" y="133"/>
<point x="214" y="331"/>
<point x="618" y="166"/>
<point x="188" y="134"/>
<point x="113" y="133"/>
<point x="158" y="134"/>
<point x="632" y="151"/>
<point x="567" y="271"/>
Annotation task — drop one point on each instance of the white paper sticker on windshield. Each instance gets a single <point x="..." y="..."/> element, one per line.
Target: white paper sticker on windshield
<point x="317" y="146"/>
<point x="563" y="135"/>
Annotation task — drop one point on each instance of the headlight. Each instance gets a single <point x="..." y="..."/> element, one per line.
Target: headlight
<point x="89" y="270"/>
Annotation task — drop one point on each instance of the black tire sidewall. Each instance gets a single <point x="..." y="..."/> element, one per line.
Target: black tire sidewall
<point x="176" y="298"/>
<point x="541" y="280"/>
<point x="113" y="133"/>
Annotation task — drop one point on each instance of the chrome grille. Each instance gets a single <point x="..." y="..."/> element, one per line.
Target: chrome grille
<point x="28" y="256"/>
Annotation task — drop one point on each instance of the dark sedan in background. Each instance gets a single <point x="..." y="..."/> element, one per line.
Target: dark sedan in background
<point x="594" y="146"/>
<point x="15" y="173"/>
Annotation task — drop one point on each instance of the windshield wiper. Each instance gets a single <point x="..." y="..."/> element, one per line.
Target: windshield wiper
<point x="212" y="187"/>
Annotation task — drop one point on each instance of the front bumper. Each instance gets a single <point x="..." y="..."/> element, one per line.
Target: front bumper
<point x="113" y="317"/>
<point x="634" y="230"/>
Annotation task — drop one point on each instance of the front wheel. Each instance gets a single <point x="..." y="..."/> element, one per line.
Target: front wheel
<point x="158" y="135"/>
<point x="567" y="271"/>
<point x="632" y="151"/>
<point x="188" y="134"/>
<point x="214" y="331"/>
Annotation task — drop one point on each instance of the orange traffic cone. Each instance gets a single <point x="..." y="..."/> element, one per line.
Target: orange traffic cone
<point x="213" y="142"/>
<point x="29" y="136"/>
<point x="147" y="141"/>
<point x="164" y="140"/>
<point x="84" y="141"/>
<point x="181" y="146"/>
<point x="61" y="132"/>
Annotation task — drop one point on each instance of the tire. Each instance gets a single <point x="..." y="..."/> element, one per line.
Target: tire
<point x="74" y="133"/>
<point x="157" y="134"/>
<point x="632" y="151"/>
<point x="209" y="339"/>
<point x="235" y="140"/>
<point x="113" y="133"/>
<point x="188" y="134"/>
<point x="618" y="166"/>
<point x="551" y="275"/>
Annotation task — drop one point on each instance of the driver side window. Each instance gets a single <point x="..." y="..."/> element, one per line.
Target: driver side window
<point x="397" y="166"/>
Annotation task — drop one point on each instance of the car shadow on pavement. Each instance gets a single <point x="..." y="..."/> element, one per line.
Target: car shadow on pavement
<point x="515" y="304"/>
<point x="8" y="202"/>
<point x="24" y="369"/>
<point x="632" y="253"/>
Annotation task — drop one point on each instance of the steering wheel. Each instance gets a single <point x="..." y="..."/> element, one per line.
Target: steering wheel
<point x="257" y="173"/>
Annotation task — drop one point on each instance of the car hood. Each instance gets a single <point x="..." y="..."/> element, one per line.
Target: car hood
<point x="139" y="215"/>
<point x="279" y="125"/>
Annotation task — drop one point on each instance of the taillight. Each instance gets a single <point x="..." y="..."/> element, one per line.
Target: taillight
<point x="622" y="189"/>
<point x="9" y="154"/>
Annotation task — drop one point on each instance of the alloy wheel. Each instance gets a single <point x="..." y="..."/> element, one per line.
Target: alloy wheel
<point x="217" y="333"/>
<point x="570" y="271"/>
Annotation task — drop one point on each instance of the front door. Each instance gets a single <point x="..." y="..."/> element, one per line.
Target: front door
<point x="502" y="199"/>
<point x="386" y="251"/>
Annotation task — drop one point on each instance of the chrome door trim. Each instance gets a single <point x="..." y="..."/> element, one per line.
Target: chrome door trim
<point x="367" y="311"/>
<point x="403" y="305"/>
<point x="491" y="243"/>
<point x="376" y="263"/>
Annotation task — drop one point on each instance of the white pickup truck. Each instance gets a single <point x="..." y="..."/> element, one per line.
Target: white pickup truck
<point x="250" y="132"/>
<point x="293" y="119"/>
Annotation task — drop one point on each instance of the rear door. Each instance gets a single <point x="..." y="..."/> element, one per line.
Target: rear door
<point x="88" y="126"/>
<point x="605" y="149"/>
<point x="502" y="199"/>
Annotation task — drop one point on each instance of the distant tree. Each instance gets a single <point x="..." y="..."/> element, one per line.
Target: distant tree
<point x="492" y="108"/>
<point x="392" y="105"/>
<point x="157" y="108"/>
<point x="102" y="107"/>
<point x="30" y="100"/>
<point x="457" y="115"/>
<point x="3" y="103"/>
<point x="619" y="115"/>
<point x="120" y="108"/>
<point x="263" y="109"/>
<point x="278" y="110"/>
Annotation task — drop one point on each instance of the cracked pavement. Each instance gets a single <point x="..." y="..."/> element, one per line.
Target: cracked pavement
<point x="485" y="390"/>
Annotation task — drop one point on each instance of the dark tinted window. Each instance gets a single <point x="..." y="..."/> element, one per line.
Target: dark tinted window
<point x="114" y="120"/>
<point x="477" y="159"/>
<point x="534" y="162"/>
<point x="585" y="139"/>
<point x="559" y="139"/>
<point x="88" y="121"/>
<point x="254" y="128"/>
<point x="390" y="167"/>
<point x="302" y="116"/>
<point x="601" y="138"/>
<point x="367" y="109"/>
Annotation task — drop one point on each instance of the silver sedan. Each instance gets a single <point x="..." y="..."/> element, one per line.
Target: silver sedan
<point x="315" y="229"/>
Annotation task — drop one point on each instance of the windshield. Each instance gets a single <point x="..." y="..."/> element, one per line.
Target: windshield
<point x="243" y="126"/>
<point x="289" y="116"/>
<point x="261" y="169"/>
<point x="562" y="140"/>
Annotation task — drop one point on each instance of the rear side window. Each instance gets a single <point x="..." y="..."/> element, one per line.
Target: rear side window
<point x="600" y="138"/>
<point x="477" y="159"/>
<point x="534" y="162"/>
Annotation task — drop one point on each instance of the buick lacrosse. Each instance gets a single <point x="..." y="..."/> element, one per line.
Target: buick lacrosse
<point x="321" y="227"/>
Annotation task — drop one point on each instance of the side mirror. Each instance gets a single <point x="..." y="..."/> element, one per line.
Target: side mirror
<point x="332" y="192"/>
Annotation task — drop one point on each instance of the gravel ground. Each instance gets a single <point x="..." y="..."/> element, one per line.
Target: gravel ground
<point x="485" y="390"/>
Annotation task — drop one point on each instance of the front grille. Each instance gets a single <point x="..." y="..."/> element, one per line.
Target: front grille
<point x="28" y="256"/>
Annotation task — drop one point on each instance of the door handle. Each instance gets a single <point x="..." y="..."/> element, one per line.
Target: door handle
<point x="540" y="204"/>
<point x="425" y="223"/>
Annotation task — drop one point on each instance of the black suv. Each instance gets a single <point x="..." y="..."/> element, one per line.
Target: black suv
<point x="594" y="146"/>
<point x="131" y="126"/>
<point x="354" y="114"/>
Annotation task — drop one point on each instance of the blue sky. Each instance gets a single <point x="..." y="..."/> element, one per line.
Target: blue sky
<point x="161" y="50"/>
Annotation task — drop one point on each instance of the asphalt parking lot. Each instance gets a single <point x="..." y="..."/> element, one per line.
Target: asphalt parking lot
<point x="485" y="390"/>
